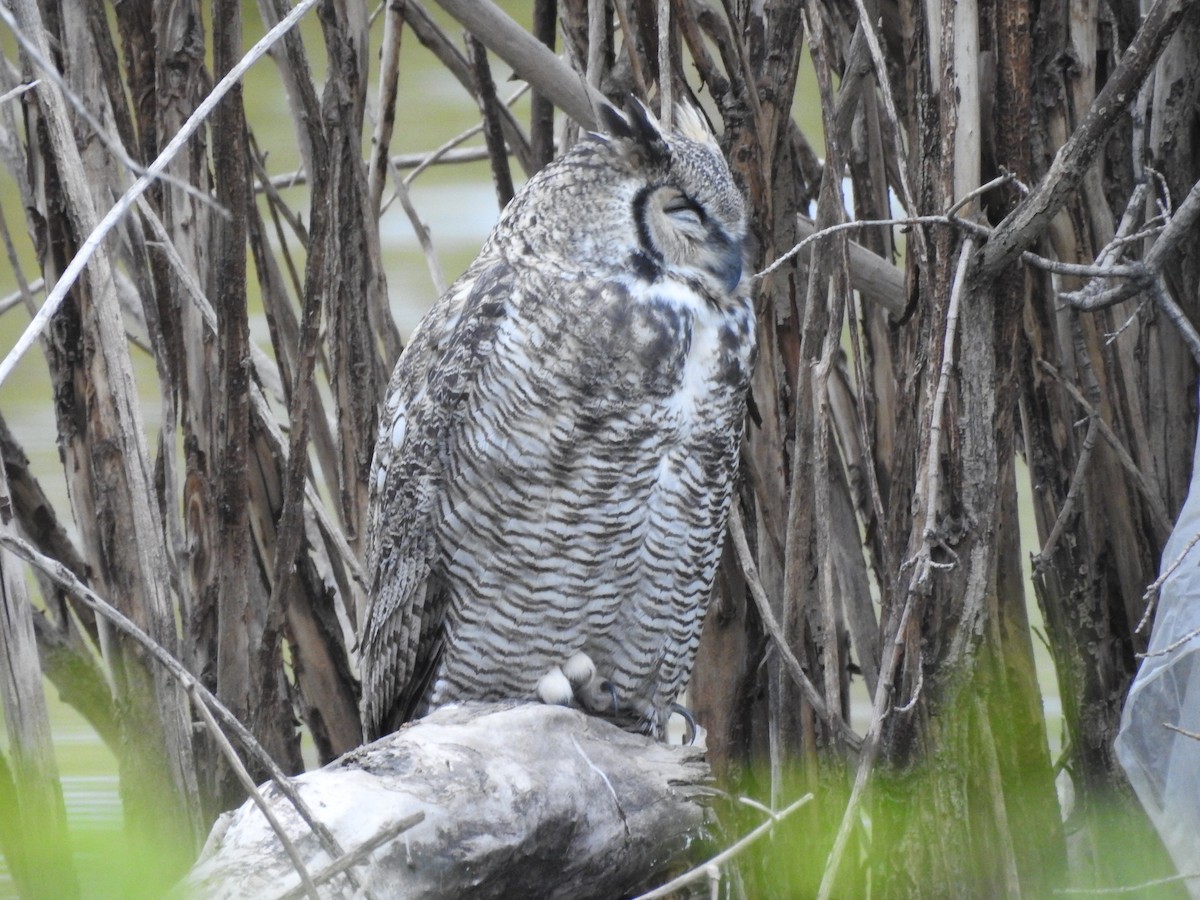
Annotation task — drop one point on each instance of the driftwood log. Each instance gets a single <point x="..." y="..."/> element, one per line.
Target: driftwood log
<point x="518" y="800"/>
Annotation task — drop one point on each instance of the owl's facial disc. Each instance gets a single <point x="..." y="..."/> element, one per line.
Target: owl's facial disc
<point x="677" y="232"/>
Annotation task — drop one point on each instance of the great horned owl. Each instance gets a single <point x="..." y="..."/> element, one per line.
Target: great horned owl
<point x="554" y="467"/>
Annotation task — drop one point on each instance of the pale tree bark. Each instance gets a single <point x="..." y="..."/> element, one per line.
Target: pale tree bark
<point x="108" y="466"/>
<point x="543" y="801"/>
<point x="35" y="839"/>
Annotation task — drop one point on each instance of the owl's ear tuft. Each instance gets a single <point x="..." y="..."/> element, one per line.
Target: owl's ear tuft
<point x="638" y="131"/>
<point x="691" y="124"/>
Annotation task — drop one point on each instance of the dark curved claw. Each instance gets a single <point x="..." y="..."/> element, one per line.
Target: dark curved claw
<point x="612" y="693"/>
<point x="689" y="719"/>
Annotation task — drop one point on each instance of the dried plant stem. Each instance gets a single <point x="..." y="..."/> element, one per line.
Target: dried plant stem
<point x="737" y="533"/>
<point x="385" y="107"/>
<point x="1068" y="507"/>
<point x="702" y="871"/>
<point x="493" y="133"/>
<point x="529" y="58"/>
<point x="358" y="854"/>
<point x="1149" y="493"/>
<point x="248" y="783"/>
<point x="934" y="463"/>
<point x="1156" y="585"/>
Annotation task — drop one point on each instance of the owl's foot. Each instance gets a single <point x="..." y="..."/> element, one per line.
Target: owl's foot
<point x="575" y="683"/>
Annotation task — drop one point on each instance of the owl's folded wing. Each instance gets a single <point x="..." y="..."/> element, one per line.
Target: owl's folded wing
<point x="402" y="634"/>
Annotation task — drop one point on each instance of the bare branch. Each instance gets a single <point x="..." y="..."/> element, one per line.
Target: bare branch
<point x="110" y="144"/>
<point x="529" y="58"/>
<point x="870" y="749"/>
<point x="1154" y="587"/>
<point x="933" y="480"/>
<point x="1176" y="316"/>
<point x="1042" y="557"/>
<point x="1149" y="493"/>
<point x="248" y="783"/>
<point x="883" y="79"/>
<point x="421" y="230"/>
<point x="19" y="90"/>
<point x="64" y="578"/>
<point x="630" y="45"/>
<point x="1195" y="736"/>
<point x="38" y="802"/>
<point x="737" y="533"/>
<point x="1173" y="646"/>
<point x="1140" y="888"/>
<point x="666" y="84"/>
<point x="385" y="108"/>
<point x="89" y="247"/>
<point x="1033" y="214"/>
<point x="358" y="854"/>
<point x="541" y="110"/>
<point x="489" y="106"/>
<point x="878" y="280"/>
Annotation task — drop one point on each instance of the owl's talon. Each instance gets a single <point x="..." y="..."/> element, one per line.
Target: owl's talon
<point x="599" y="697"/>
<point x="612" y="693"/>
<point x="689" y="719"/>
<point x="555" y="689"/>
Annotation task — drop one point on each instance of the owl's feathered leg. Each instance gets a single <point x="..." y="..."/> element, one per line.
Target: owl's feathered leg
<point x="554" y="689"/>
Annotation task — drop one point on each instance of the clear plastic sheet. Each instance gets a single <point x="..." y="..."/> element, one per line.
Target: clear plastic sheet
<point x="1164" y="765"/>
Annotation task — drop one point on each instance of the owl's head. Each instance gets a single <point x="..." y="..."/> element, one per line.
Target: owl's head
<point x="689" y="213"/>
<point x="642" y="200"/>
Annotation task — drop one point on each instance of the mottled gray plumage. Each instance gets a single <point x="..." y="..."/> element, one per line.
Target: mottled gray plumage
<point x="559" y="440"/>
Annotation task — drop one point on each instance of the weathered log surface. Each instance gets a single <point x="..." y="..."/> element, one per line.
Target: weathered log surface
<point x="519" y="800"/>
